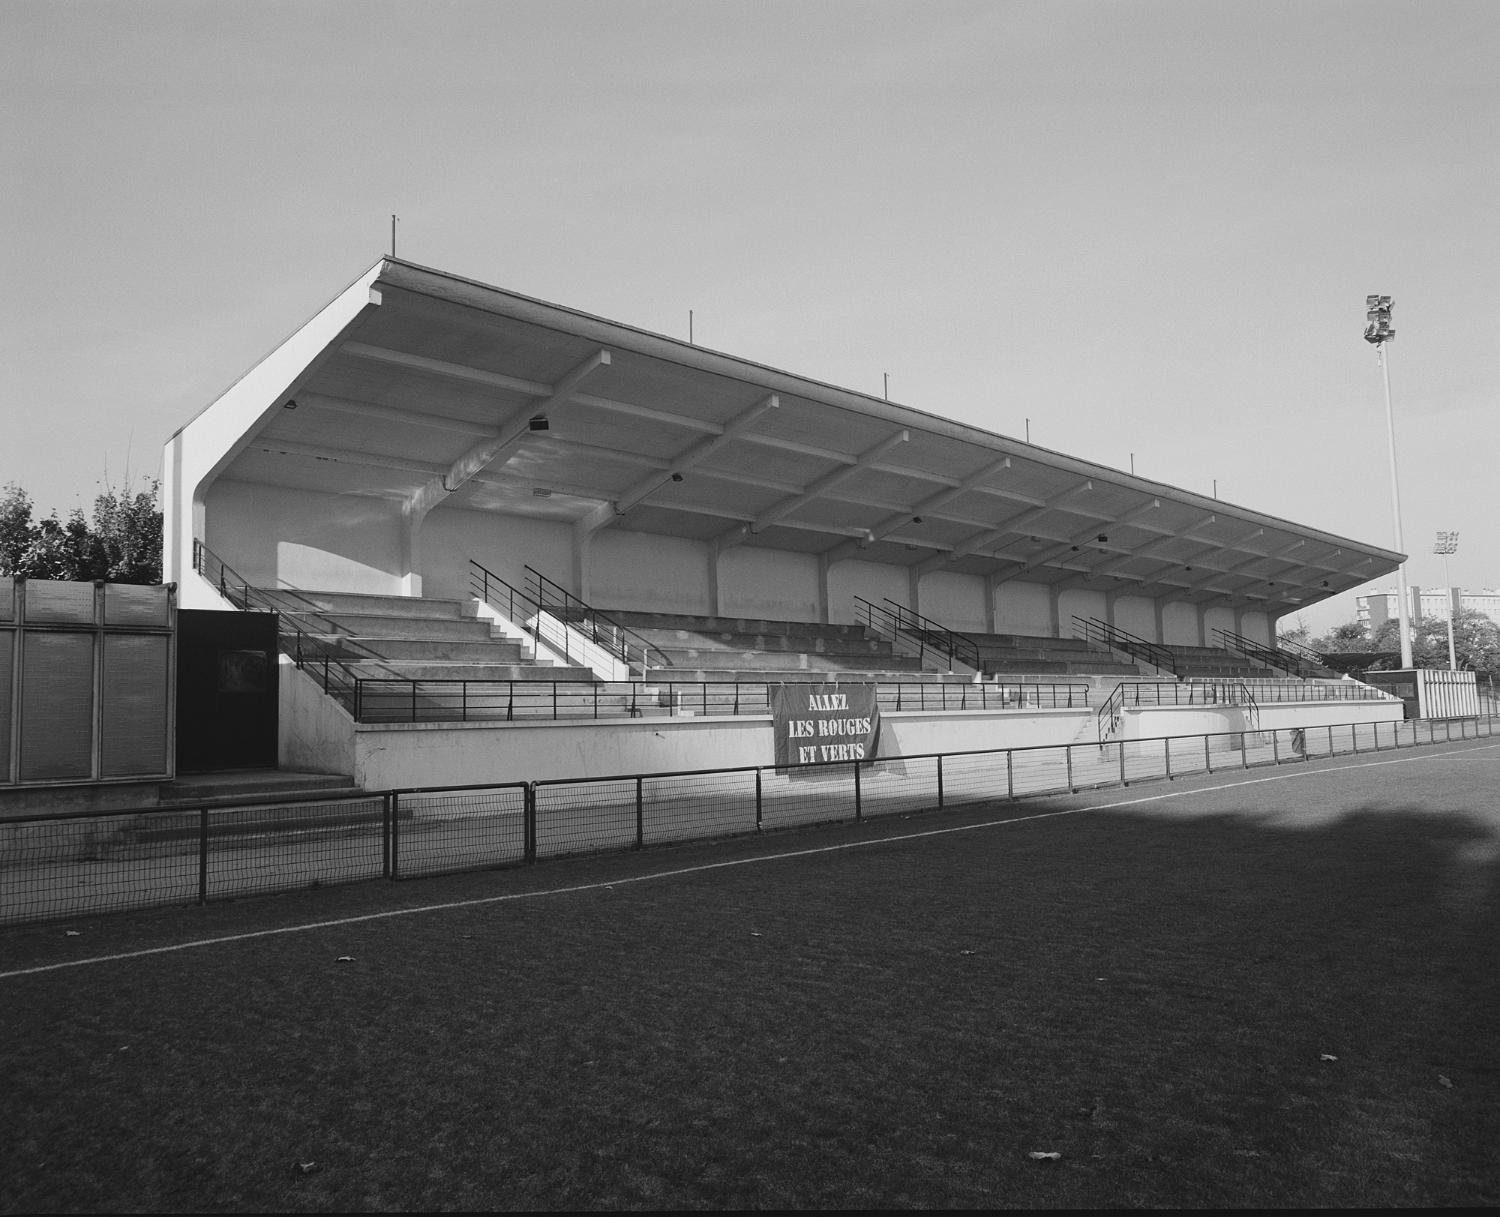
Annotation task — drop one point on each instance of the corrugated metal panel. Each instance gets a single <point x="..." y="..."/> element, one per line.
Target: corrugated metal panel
<point x="57" y="706"/>
<point x="125" y="604"/>
<point x="133" y="715"/>
<point x="7" y="671"/>
<point x="64" y="603"/>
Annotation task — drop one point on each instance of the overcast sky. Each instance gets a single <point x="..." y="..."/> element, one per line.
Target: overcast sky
<point x="1147" y="227"/>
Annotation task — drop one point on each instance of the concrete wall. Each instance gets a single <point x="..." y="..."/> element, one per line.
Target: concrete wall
<point x="1156" y="722"/>
<point x="958" y="601"/>
<point x="872" y="580"/>
<point x="638" y="571"/>
<point x="1180" y="625"/>
<point x="1023" y="608"/>
<point x="503" y="544"/>
<point x="1078" y="602"/>
<point x="1136" y="615"/>
<point x="316" y="733"/>
<point x="769" y="584"/>
<point x="275" y="537"/>
<point x="1257" y="628"/>
<point x="1218" y="617"/>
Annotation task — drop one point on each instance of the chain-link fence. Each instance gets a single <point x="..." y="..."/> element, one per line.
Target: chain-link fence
<point x="71" y="865"/>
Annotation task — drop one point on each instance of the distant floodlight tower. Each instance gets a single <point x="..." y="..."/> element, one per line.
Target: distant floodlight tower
<point x="1379" y="331"/>
<point x="1447" y="544"/>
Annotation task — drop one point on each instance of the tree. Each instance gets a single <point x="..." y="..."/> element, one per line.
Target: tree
<point x="122" y="544"/>
<point x="1351" y="638"/>
<point x="1476" y="641"/>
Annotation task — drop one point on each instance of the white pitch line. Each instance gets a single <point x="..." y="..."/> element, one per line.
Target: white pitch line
<point x="479" y="901"/>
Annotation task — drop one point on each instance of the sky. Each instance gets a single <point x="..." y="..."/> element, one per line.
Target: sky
<point x="1143" y="229"/>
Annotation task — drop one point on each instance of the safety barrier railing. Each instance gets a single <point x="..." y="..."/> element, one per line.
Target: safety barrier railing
<point x="895" y="623"/>
<point x="305" y="633"/>
<point x="1283" y="661"/>
<point x="81" y="864"/>
<point x="1172" y="693"/>
<point x="1091" y="629"/>
<point x="621" y="641"/>
<point x="396" y="700"/>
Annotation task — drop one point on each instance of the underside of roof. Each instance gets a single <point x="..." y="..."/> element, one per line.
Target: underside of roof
<point x="452" y="393"/>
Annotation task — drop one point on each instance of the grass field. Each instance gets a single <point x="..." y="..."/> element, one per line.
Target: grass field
<point x="1271" y="988"/>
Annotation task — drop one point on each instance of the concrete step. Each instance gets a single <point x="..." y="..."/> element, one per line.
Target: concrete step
<point x="801" y="675"/>
<point x="358" y="603"/>
<point x="418" y="670"/>
<point x="670" y="640"/>
<point x="200" y="788"/>
<point x="640" y="622"/>
<point x="378" y="625"/>
<point x="755" y="661"/>
<point x="437" y="650"/>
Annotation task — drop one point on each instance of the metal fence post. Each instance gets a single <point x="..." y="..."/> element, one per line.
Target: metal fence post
<point x="757" y="799"/>
<point x="528" y="822"/>
<point x="1120" y="744"/>
<point x="1068" y="759"/>
<point x="395" y="835"/>
<point x="1275" y="746"/>
<point x="203" y="855"/>
<point x="385" y="834"/>
<point x="1208" y="765"/>
<point x="940" y="780"/>
<point x="640" y="816"/>
<point x="859" y="811"/>
<point x="1167" y="748"/>
<point x="1010" y="774"/>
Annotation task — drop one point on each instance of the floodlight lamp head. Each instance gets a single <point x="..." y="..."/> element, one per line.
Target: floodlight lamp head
<point x="1378" y="326"/>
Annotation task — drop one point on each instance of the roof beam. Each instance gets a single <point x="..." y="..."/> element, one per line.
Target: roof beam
<point x="1014" y="524"/>
<point x="674" y="471"/>
<point x="825" y="483"/>
<point x="847" y="549"/>
<point x="486" y="450"/>
<point x="1080" y="538"/>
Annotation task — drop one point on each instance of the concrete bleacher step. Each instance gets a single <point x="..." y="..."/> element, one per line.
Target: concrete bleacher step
<point x="357" y="604"/>
<point x="200" y="788"/>
<point x="390" y="625"/>
<point x="640" y="622"/>
<point x="388" y="669"/>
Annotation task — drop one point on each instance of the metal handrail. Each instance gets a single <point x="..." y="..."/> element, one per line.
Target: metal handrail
<point x="903" y="625"/>
<point x="399" y="700"/>
<point x="597" y="626"/>
<point x="957" y="647"/>
<point x="1250" y="649"/>
<point x="310" y="651"/>
<point x="1091" y="629"/>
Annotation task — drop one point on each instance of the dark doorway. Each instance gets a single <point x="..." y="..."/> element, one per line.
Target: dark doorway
<point x="226" y="690"/>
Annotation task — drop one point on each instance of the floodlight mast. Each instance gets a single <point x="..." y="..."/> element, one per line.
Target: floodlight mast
<point x="1379" y="331"/>
<point x="1447" y="543"/>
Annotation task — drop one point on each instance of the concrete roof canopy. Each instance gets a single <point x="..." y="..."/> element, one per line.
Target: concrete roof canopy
<point x="420" y="387"/>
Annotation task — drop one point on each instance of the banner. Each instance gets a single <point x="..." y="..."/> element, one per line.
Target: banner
<point x="816" y="723"/>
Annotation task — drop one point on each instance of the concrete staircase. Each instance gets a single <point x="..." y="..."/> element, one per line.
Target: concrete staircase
<point x="412" y="638"/>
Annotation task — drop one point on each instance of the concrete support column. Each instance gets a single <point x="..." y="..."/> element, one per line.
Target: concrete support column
<point x="713" y="578"/>
<point x="410" y="523"/>
<point x="823" y="565"/>
<point x="1109" y="607"/>
<point x="992" y="603"/>
<point x="1161" y="624"/>
<point x="1054" y="600"/>
<point x="1239" y="620"/>
<point x="914" y="589"/>
<point x="1202" y="624"/>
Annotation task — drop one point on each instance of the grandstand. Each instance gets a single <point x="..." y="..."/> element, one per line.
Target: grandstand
<point x="474" y="511"/>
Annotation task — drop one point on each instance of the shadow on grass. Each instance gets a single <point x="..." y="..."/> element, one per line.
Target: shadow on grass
<point x="1284" y="1007"/>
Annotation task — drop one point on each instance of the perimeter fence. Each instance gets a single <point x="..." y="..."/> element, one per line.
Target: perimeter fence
<point x="72" y="865"/>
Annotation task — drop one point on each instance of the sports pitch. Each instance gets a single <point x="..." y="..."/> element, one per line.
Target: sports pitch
<point x="1268" y="988"/>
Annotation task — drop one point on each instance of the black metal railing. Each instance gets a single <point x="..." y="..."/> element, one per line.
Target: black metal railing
<point x="599" y="628"/>
<point x="897" y="624"/>
<point x="1091" y="629"/>
<point x="305" y="633"/>
<point x="395" y="700"/>
<point x="1283" y="661"/>
<point x="1175" y="693"/>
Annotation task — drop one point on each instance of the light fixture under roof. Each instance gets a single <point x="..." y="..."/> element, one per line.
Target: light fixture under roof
<point x="541" y="492"/>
